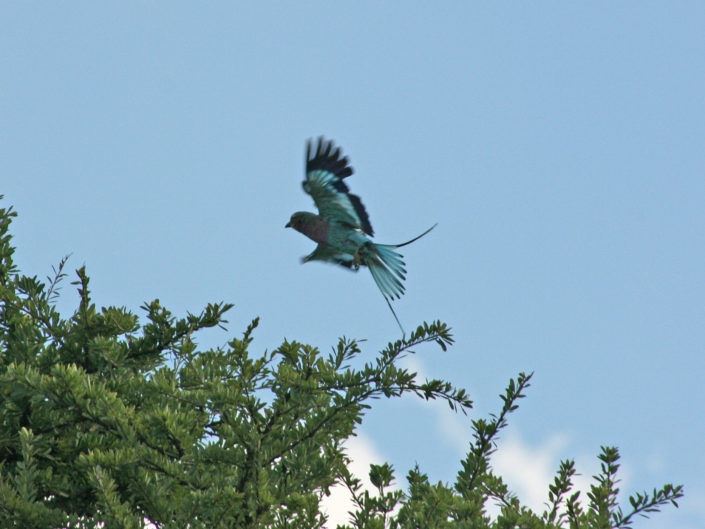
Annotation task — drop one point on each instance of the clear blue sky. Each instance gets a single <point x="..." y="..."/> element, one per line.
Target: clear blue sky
<point x="560" y="147"/>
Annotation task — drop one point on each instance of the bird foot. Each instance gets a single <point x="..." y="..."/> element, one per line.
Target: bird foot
<point x="356" y="260"/>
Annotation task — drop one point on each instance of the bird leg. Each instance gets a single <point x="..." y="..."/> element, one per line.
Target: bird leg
<point x="357" y="260"/>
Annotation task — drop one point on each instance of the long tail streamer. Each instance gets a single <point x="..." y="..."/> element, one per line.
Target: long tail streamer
<point x="403" y="332"/>
<point x="387" y="269"/>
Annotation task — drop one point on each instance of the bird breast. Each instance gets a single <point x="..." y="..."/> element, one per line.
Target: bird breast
<point x="316" y="231"/>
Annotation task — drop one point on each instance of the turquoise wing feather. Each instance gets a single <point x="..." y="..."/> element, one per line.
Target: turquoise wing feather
<point x="331" y="254"/>
<point x="325" y="171"/>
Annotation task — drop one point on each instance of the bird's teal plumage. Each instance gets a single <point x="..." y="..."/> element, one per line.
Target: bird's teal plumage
<point x="342" y="226"/>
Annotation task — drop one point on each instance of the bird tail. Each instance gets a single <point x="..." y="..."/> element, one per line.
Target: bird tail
<point x="387" y="269"/>
<point x="415" y="238"/>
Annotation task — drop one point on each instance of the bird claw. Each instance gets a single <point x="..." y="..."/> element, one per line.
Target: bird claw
<point x="356" y="260"/>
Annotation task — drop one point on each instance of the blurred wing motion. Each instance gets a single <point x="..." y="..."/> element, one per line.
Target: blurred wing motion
<point x="330" y="254"/>
<point x="342" y="226"/>
<point x="325" y="171"/>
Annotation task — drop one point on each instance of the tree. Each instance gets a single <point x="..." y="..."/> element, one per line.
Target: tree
<point x="105" y="422"/>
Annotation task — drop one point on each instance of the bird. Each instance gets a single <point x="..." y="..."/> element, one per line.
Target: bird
<point x="342" y="227"/>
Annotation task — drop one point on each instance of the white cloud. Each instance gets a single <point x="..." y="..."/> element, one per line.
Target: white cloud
<point x="528" y="470"/>
<point x="362" y="452"/>
<point x="454" y="427"/>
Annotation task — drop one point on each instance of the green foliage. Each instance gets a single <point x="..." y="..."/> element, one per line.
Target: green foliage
<point x="106" y="422"/>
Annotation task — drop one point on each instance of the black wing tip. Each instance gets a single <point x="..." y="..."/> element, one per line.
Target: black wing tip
<point x="362" y="213"/>
<point x="327" y="157"/>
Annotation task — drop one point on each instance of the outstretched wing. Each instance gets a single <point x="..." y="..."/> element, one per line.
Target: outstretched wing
<point x="325" y="170"/>
<point x="330" y="254"/>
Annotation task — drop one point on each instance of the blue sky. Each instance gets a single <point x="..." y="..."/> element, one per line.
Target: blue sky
<point x="559" y="147"/>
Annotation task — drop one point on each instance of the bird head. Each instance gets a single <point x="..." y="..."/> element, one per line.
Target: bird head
<point x="300" y="219"/>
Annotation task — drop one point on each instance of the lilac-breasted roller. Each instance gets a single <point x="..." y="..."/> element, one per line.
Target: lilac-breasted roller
<point x="342" y="225"/>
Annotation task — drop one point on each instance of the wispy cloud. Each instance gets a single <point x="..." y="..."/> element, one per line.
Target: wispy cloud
<point x="528" y="469"/>
<point x="362" y="452"/>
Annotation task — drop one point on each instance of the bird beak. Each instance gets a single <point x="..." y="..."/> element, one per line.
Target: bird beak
<point x="288" y="225"/>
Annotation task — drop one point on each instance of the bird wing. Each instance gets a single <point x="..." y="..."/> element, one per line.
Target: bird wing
<point x="325" y="171"/>
<point x="328" y="253"/>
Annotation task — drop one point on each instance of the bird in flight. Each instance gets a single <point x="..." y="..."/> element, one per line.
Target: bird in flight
<point x="342" y="227"/>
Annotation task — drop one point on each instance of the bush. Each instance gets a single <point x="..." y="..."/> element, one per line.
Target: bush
<point x="108" y="423"/>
